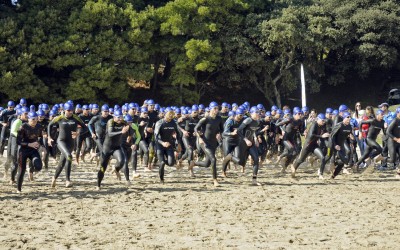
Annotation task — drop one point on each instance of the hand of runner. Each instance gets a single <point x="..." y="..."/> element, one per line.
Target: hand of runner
<point x="34" y="145"/>
<point x="125" y="129"/>
<point x="248" y="142"/>
<point x="337" y="147"/>
<point x="325" y="135"/>
<point x="74" y="134"/>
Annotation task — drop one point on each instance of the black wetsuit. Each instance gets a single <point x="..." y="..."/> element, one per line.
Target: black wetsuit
<point x="372" y="148"/>
<point x="291" y="128"/>
<point x="97" y="125"/>
<point x="231" y="143"/>
<point x="207" y="129"/>
<point x="65" y="142"/>
<point x="393" y="131"/>
<point x="248" y="130"/>
<point x="339" y="135"/>
<point x="84" y="135"/>
<point x="165" y="132"/>
<point x="112" y="146"/>
<point x="311" y="145"/>
<point x="5" y="130"/>
<point x="190" y="141"/>
<point x="26" y="135"/>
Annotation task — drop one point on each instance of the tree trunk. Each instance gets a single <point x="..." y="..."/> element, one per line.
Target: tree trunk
<point x="154" y="81"/>
<point x="276" y="91"/>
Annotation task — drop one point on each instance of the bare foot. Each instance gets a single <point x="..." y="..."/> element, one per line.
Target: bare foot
<point x="293" y="174"/>
<point x="136" y="175"/>
<point x="68" y="184"/>
<point x="255" y="182"/>
<point x="224" y="174"/>
<point x="216" y="184"/>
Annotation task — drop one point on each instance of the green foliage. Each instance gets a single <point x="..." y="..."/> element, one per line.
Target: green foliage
<point x="87" y="50"/>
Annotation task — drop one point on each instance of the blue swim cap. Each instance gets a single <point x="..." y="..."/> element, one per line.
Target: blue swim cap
<point x="342" y="108"/>
<point x="398" y="110"/>
<point x="22" y="101"/>
<point x="78" y="106"/>
<point x="10" y="104"/>
<point x="52" y="112"/>
<point x="239" y="111"/>
<point x="131" y="105"/>
<point x="162" y="110"/>
<point x="168" y="109"/>
<point x="207" y="109"/>
<point x="95" y="106"/>
<point x="85" y="107"/>
<point x="185" y="112"/>
<point x="231" y="113"/>
<point x="253" y="110"/>
<point x="321" y="116"/>
<point x="379" y="112"/>
<point x="201" y="106"/>
<point x="45" y="107"/>
<point x="117" y="113"/>
<point x="70" y="102"/>
<point x="305" y="109"/>
<point x="157" y="107"/>
<point x="287" y="112"/>
<point x="279" y="111"/>
<point x="68" y="106"/>
<point x="128" y="118"/>
<point x="124" y="107"/>
<point x="18" y="111"/>
<point x="32" y="108"/>
<point x="24" y="109"/>
<point x="296" y="110"/>
<point x="177" y="111"/>
<point x="225" y="105"/>
<point x="260" y="106"/>
<point x="150" y="102"/>
<point x="335" y="112"/>
<point x="144" y="110"/>
<point x="17" y="107"/>
<point x="41" y="113"/>
<point x="329" y="111"/>
<point x="268" y="113"/>
<point x="105" y="107"/>
<point x="346" y="114"/>
<point x="111" y="110"/>
<point x="234" y="105"/>
<point x="116" y="106"/>
<point x="212" y="105"/>
<point x="274" y="108"/>
<point x="32" y="115"/>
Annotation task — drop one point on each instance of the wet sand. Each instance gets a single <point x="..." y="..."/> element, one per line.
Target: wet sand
<point x="350" y="212"/>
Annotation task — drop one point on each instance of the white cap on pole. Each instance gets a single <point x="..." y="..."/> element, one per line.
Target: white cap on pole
<point x="303" y="87"/>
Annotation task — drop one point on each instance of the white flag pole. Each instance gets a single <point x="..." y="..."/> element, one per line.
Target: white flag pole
<point x="303" y="87"/>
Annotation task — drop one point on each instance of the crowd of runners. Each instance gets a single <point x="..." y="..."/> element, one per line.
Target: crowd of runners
<point x="339" y="140"/>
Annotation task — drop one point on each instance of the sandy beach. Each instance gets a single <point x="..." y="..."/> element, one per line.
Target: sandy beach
<point x="351" y="212"/>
